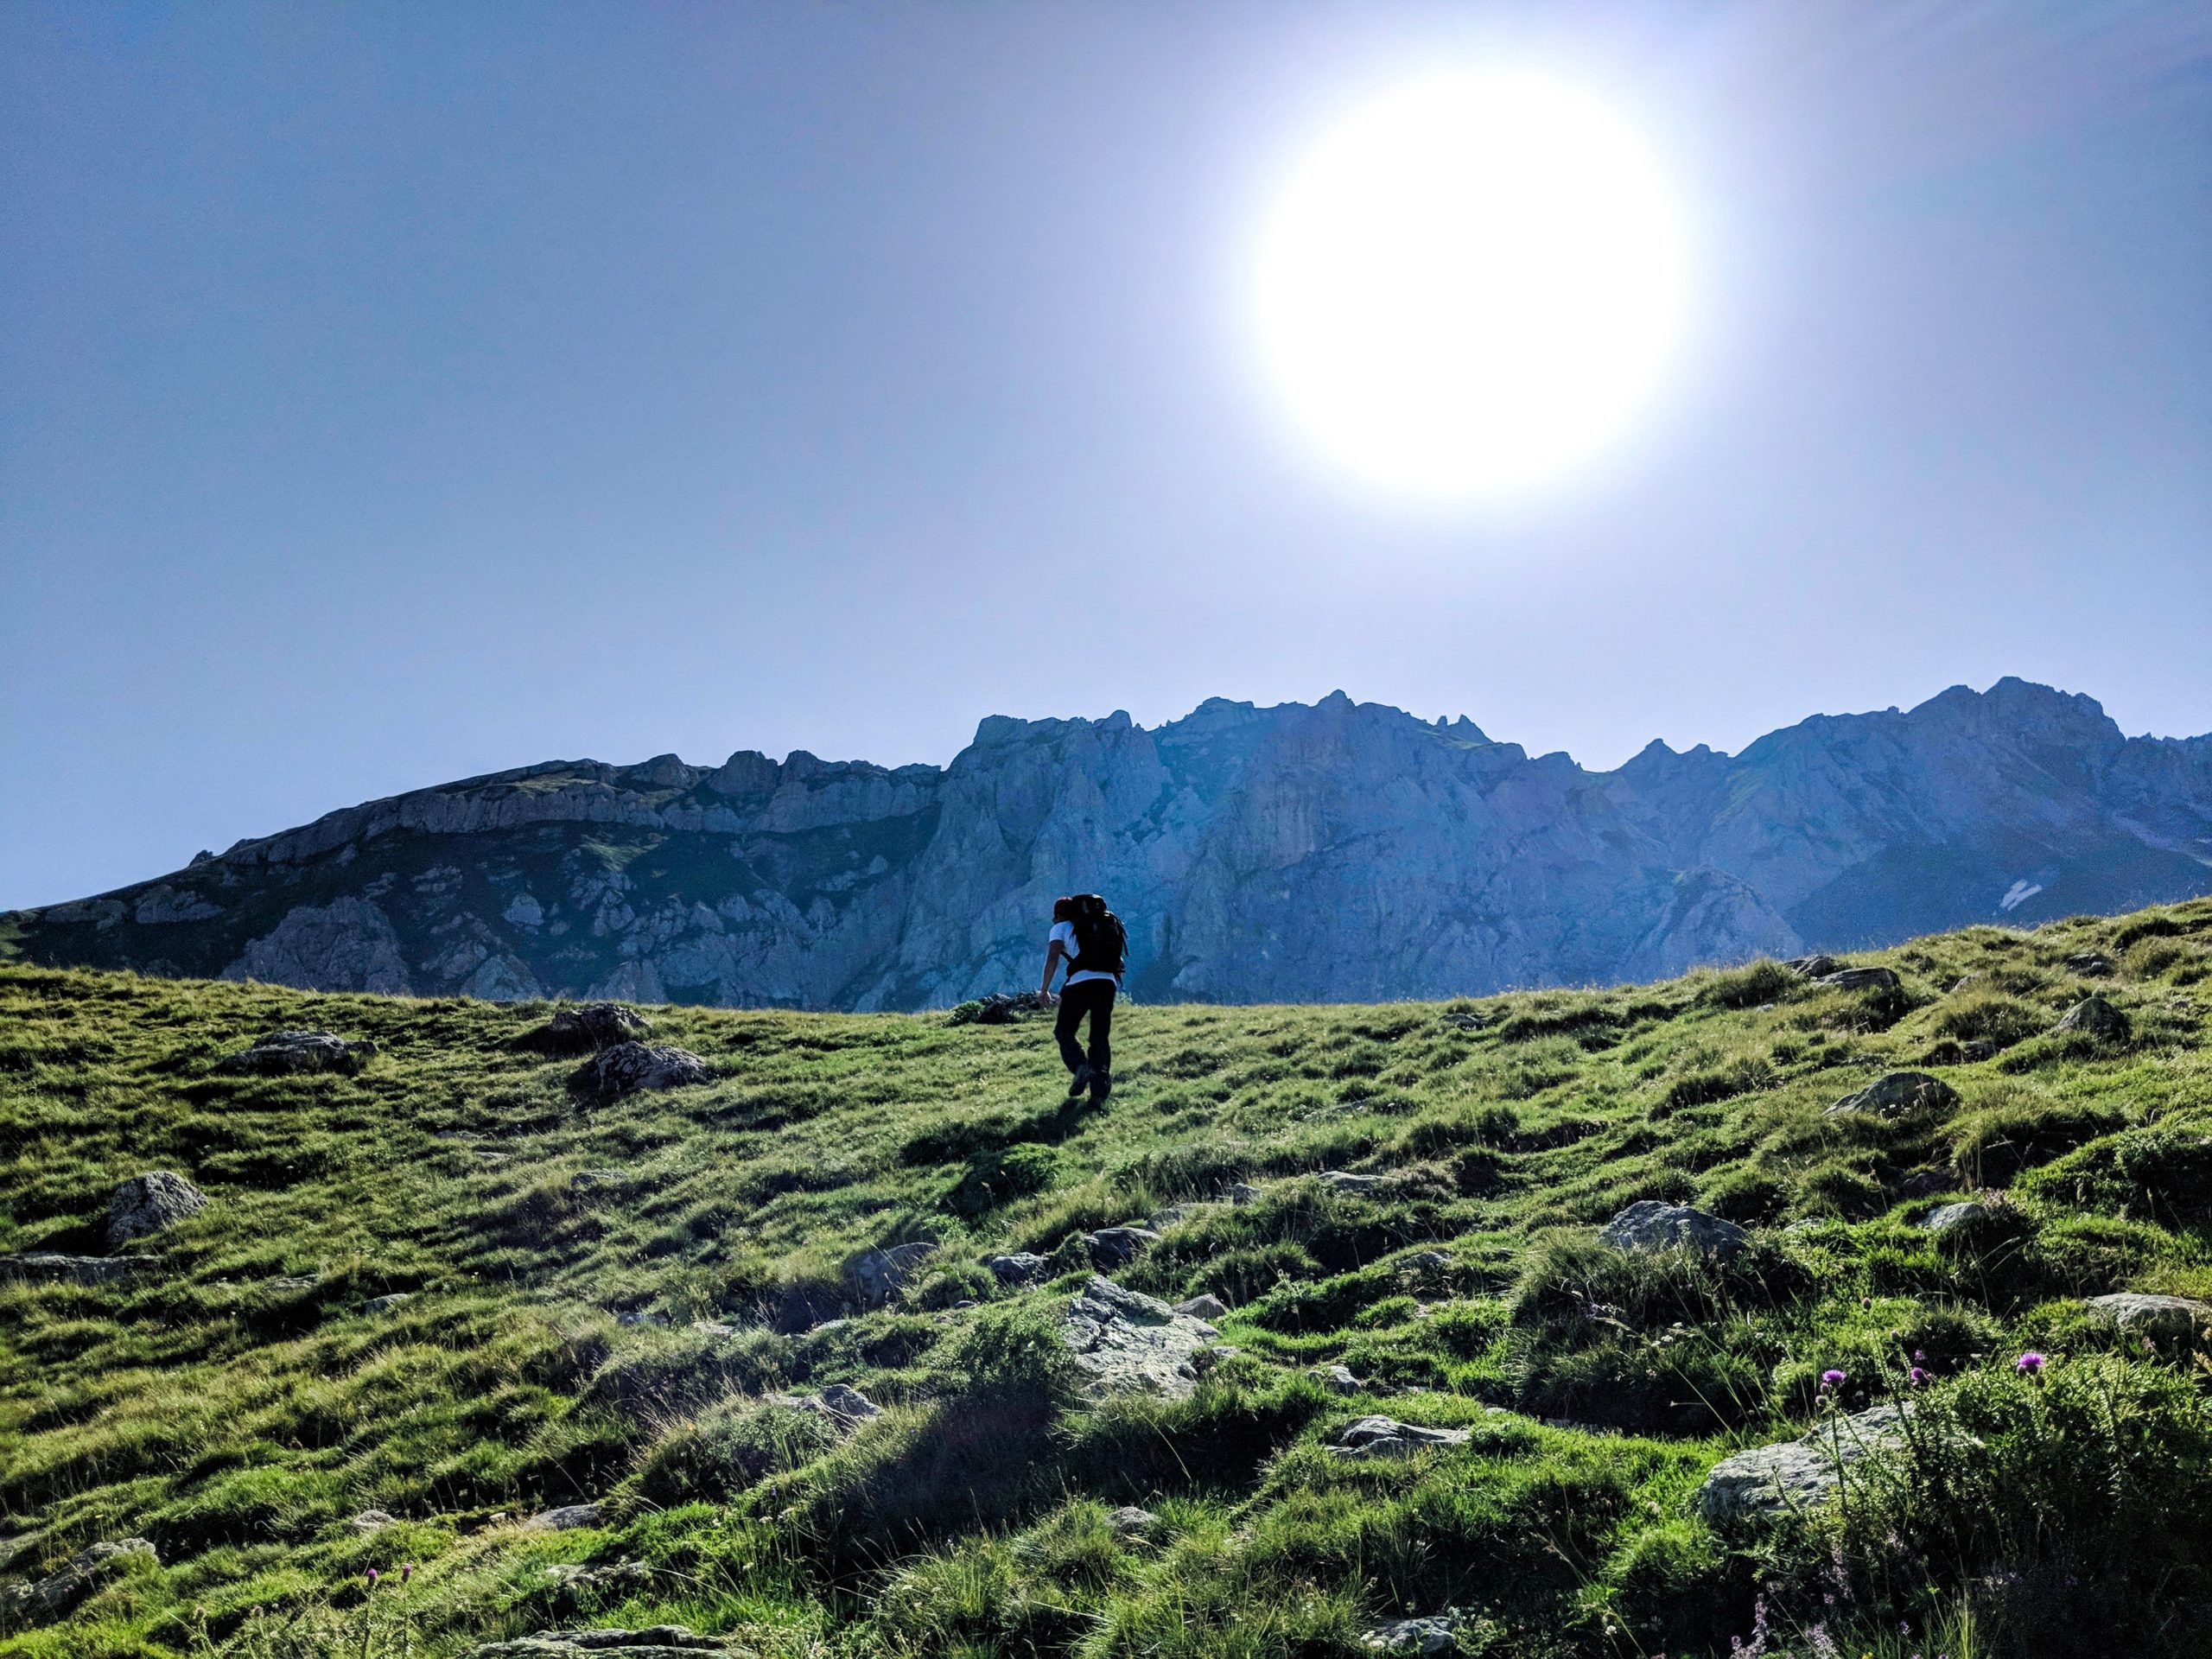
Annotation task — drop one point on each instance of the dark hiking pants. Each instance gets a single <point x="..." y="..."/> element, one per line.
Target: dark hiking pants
<point x="1095" y="998"/>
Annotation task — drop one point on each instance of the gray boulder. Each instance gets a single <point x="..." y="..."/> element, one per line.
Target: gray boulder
<point x="875" y="1275"/>
<point x="1800" y="1474"/>
<point x="1650" y="1225"/>
<point x="589" y="1027"/>
<point x="1424" y="1636"/>
<point x="45" y="1600"/>
<point x="1813" y="967"/>
<point x="1343" y="1180"/>
<point x="372" y="1521"/>
<point x="1205" y="1305"/>
<point x="627" y="1068"/>
<point x="1112" y="1247"/>
<point x="44" y="1265"/>
<point x="146" y="1204"/>
<point x="1244" y="1192"/>
<point x="1129" y="1518"/>
<point x="654" y="1642"/>
<point x="845" y="1406"/>
<point x="1897" y="1093"/>
<point x="282" y="1053"/>
<point x="390" y="1303"/>
<point x="1128" y="1342"/>
<point x="1022" y="1268"/>
<point x="2096" y="1017"/>
<point x="1386" y="1437"/>
<point x="1946" y="1217"/>
<point x="1861" y="979"/>
<point x="1338" y="1378"/>
<point x="2164" y="1318"/>
<point x="567" y="1518"/>
<point x="2091" y="964"/>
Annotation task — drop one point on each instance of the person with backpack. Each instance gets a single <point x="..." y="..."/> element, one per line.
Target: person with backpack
<point x="1094" y="945"/>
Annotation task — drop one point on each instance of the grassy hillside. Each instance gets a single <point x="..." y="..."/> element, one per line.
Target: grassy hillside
<point x="238" y="1402"/>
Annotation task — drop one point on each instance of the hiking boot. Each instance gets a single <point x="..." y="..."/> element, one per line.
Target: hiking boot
<point x="1101" y="1084"/>
<point x="1079" y="1082"/>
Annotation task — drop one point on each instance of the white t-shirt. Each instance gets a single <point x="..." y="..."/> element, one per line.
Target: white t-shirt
<point x="1064" y="932"/>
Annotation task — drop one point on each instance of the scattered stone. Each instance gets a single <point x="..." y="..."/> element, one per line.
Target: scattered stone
<point x="82" y="1269"/>
<point x="1127" y="1341"/>
<point x="146" y="1203"/>
<point x="575" y="1575"/>
<point x="1117" y="1246"/>
<point x="1460" y="1022"/>
<point x="1022" y="1268"/>
<point x="1945" y="1216"/>
<point x="1897" y="1093"/>
<point x="2097" y="1017"/>
<point x="844" y="1405"/>
<point x="999" y="1008"/>
<point x="1386" y="1437"/>
<point x="628" y="1067"/>
<point x="1130" y="1518"/>
<point x="1171" y="1215"/>
<point x="654" y="1642"/>
<point x="567" y="1518"/>
<point x="1861" y="979"/>
<point x="2090" y="964"/>
<point x="877" y="1274"/>
<point x="635" y="1316"/>
<point x="1964" y="982"/>
<point x="1244" y="1192"/>
<point x="283" y="1052"/>
<point x="1815" y="967"/>
<point x="588" y="1028"/>
<point x="1337" y="1377"/>
<point x="372" y="1521"/>
<point x="1425" y="1261"/>
<point x="714" y="1328"/>
<point x="2164" y="1318"/>
<point x="1343" y="1180"/>
<point x="1650" y="1225"/>
<point x="1800" y="1474"/>
<point x="599" y="1180"/>
<point x="1977" y="1050"/>
<point x="50" y="1598"/>
<point x="294" y="1281"/>
<point x="388" y="1304"/>
<point x="1205" y="1305"/>
<point x="1428" y="1635"/>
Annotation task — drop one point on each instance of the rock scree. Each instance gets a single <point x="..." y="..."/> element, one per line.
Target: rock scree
<point x="146" y="1204"/>
<point x="1126" y="1341"/>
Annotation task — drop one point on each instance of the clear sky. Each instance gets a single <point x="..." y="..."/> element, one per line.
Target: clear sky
<point x="393" y="393"/>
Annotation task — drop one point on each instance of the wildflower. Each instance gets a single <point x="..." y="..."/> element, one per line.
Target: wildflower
<point x="406" y="1572"/>
<point x="1832" y="1379"/>
<point x="373" y="1576"/>
<point x="1919" y="1357"/>
<point x="2029" y="1363"/>
<point x="1915" y="1377"/>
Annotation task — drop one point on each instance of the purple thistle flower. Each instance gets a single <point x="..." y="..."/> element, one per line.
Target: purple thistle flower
<point x="373" y="1576"/>
<point x="1830" y="1379"/>
<point x="406" y="1572"/>
<point x="1919" y="1358"/>
<point x="1915" y="1377"/>
<point x="2029" y="1363"/>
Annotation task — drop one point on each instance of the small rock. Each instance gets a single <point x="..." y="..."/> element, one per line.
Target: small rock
<point x="1460" y="1021"/>
<point x="714" y="1328"/>
<point x="1945" y="1216"/>
<point x="1337" y="1377"/>
<point x="635" y="1316"/>
<point x="146" y="1204"/>
<point x="1244" y="1192"/>
<point x="1126" y="1341"/>
<point x="598" y="1180"/>
<point x="50" y="1598"/>
<point x="1861" y="979"/>
<point x="845" y="1405"/>
<point x="627" y="1068"/>
<point x="1343" y="1180"/>
<point x="1386" y="1437"/>
<point x="1813" y="967"/>
<point x="294" y="1281"/>
<point x="877" y="1274"/>
<point x="2090" y="964"/>
<point x="567" y="1518"/>
<point x="372" y="1521"/>
<point x="1791" y="1474"/>
<point x="1022" y="1268"/>
<point x="1963" y="982"/>
<point x="2164" y="1318"/>
<point x="1650" y="1225"/>
<point x="283" y="1052"/>
<point x="1432" y="1634"/>
<point x="1896" y="1093"/>
<point x="1160" y="1220"/>
<point x="1205" y="1305"/>
<point x="82" y="1269"/>
<point x="1976" y="1049"/>
<point x="1129" y="1518"/>
<point x="2098" y="1018"/>
<point x="589" y="1028"/>
<point x="391" y="1303"/>
<point x="1424" y="1262"/>
<point x="654" y="1642"/>
<point x="1117" y="1246"/>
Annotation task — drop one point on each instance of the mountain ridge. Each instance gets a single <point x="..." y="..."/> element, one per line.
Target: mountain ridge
<point x="1335" y="851"/>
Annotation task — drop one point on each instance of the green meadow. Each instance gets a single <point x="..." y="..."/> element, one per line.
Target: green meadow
<point x="614" y="1301"/>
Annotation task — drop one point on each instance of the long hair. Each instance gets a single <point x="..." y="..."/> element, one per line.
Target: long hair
<point x="1063" y="910"/>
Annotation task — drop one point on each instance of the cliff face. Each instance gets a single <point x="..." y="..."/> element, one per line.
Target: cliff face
<point x="1340" y="851"/>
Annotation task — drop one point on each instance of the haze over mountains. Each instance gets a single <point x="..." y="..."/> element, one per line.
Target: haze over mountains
<point x="1333" y="852"/>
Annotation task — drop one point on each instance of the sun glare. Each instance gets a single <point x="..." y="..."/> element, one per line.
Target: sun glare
<point x="1472" y="284"/>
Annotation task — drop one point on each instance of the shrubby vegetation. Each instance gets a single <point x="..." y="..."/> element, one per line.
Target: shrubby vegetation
<point x="628" y="1302"/>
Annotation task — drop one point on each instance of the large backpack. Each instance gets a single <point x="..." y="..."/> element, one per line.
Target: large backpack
<point x="1101" y="944"/>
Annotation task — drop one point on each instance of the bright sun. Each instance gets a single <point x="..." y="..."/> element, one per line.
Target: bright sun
<point x="1472" y="284"/>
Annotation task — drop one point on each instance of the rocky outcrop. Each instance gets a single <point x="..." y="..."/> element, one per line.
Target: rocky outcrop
<point x="653" y="1642"/>
<point x="1649" y="1225"/>
<point x="1800" y="1474"/>
<point x="1386" y="1437"/>
<point x="1378" y="855"/>
<point x="46" y="1599"/>
<point x="1898" y="1094"/>
<point x="1125" y="1341"/>
<point x="588" y="1028"/>
<point x="2163" y="1318"/>
<point x="876" y="1275"/>
<point x="283" y="1052"/>
<point x="2095" y="1017"/>
<point x="626" y="1068"/>
<point x="146" y="1203"/>
<point x="44" y="1266"/>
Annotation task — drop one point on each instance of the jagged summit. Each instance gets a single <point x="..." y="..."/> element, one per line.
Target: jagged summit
<point x="1338" y="850"/>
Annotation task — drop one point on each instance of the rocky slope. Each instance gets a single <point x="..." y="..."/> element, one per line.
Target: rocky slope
<point x="1342" y="851"/>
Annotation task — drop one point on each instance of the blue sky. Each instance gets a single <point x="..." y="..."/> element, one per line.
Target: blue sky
<point x="389" y="394"/>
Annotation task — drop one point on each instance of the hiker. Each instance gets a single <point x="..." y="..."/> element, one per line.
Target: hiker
<point x="1092" y="940"/>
